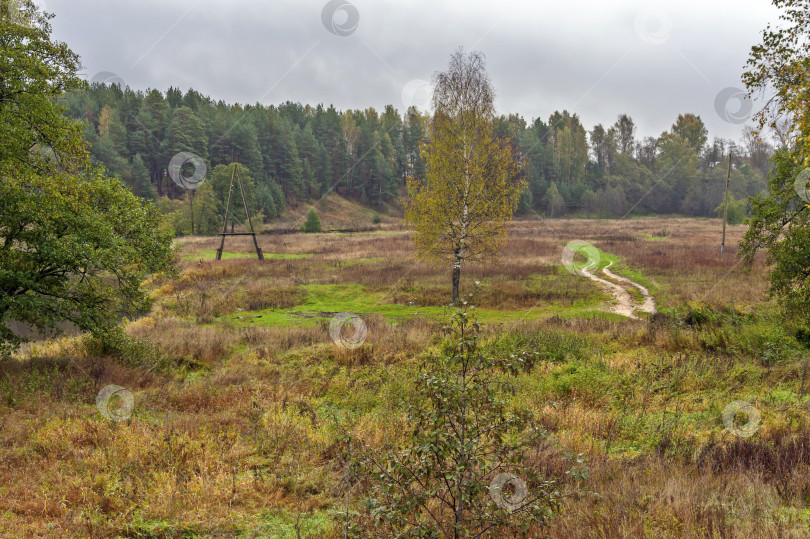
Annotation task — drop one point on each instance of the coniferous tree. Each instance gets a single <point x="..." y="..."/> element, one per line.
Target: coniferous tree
<point x="140" y="184"/>
<point x="313" y="222"/>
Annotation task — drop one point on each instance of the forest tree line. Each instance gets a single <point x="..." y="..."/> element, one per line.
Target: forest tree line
<point x="293" y="153"/>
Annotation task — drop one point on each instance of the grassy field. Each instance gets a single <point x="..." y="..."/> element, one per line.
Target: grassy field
<point x="241" y="396"/>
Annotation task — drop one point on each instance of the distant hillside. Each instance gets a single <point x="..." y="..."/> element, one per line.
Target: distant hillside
<point x="295" y="153"/>
<point x="337" y="212"/>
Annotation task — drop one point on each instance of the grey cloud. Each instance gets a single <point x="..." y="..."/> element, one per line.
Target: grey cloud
<point x="543" y="56"/>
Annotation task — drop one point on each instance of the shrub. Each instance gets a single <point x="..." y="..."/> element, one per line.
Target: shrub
<point x="803" y="336"/>
<point x="737" y="211"/>
<point x="465" y="451"/>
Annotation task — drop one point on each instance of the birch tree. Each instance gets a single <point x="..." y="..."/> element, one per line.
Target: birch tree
<point x="474" y="179"/>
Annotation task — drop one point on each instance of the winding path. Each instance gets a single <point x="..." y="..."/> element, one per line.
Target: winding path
<point x="648" y="306"/>
<point x="625" y="304"/>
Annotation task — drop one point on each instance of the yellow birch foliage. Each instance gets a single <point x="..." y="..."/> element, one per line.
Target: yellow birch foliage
<point x="473" y="180"/>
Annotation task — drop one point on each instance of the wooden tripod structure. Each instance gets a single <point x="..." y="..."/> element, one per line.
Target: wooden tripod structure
<point x="235" y="176"/>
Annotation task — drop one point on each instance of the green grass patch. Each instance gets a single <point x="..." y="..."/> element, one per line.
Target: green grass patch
<point x="322" y="300"/>
<point x="282" y="525"/>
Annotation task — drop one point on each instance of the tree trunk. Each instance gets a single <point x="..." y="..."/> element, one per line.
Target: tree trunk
<point x="456" y="278"/>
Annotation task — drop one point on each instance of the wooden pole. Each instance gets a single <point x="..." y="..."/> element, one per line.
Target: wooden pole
<point x="247" y="212"/>
<point x="191" y="201"/>
<point x="227" y="211"/>
<point x="236" y="176"/>
<point x="725" y="207"/>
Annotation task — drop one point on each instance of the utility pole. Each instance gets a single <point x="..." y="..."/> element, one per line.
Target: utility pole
<point x="725" y="207"/>
<point x="191" y="201"/>
<point x="236" y="176"/>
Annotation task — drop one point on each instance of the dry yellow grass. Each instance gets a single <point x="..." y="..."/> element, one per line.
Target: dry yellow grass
<point x="241" y="433"/>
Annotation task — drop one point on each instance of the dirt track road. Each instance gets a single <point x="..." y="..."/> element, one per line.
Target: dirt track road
<point x="625" y="304"/>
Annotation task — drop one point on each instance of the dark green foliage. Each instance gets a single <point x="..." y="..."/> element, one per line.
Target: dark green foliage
<point x="802" y="335"/>
<point x="780" y="225"/>
<point x="299" y="153"/>
<point x="77" y="244"/>
<point x="313" y="222"/>
<point x="220" y="181"/>
<point x="140" y="183"/>
<point x="295" y="153"/>
<point x="270" y="199"/>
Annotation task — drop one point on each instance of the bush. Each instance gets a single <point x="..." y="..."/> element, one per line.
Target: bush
<point x="313" y="223"/>
<point x="737" y="211"/>
<point x="459" y="479"/>
<point x="700" y="314"/>
<point x="376" y="219"/>
<point x="803" y="336"/>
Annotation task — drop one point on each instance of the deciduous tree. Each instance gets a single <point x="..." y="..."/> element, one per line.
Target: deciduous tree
<point x="691" y="129"/>
<point x="780" y="219"/>
<point x="75" y="244"/>
<point x="473" y="181"/>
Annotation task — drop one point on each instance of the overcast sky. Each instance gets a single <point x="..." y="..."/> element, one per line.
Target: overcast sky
<point x="597" y="58"/>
